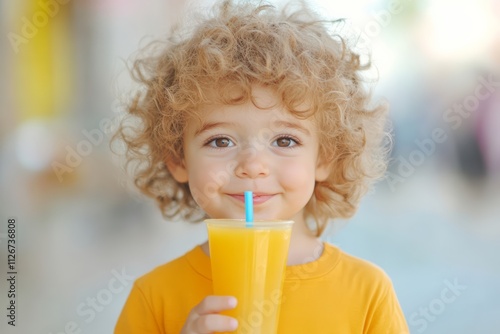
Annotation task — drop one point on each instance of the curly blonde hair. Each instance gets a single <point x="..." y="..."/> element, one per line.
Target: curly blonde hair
<point x="240" y="45"/>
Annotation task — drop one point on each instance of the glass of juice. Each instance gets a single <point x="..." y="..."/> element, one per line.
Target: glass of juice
<point x="248" y="262"/>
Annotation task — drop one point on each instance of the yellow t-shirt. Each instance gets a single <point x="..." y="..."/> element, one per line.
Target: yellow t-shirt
<point x="338" y="293"/>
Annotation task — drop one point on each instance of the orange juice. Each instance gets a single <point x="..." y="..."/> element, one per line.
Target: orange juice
<point x="249" y="264"/>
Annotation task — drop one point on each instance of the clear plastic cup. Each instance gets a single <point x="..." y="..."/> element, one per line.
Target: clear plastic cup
<point x="249" y="262"/>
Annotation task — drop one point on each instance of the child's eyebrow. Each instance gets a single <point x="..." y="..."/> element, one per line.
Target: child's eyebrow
<point x="292" y="125"/>
<point x="210" y="125"/>
<point x="285" y="124"/>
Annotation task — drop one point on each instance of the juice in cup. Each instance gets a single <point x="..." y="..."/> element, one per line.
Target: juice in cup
<point x="249" y="262"/>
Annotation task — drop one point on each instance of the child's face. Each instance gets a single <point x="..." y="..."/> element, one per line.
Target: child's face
<point x="241" y="147"/>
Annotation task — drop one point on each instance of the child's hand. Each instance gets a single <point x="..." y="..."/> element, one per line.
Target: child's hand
<point x="204" y="317"/>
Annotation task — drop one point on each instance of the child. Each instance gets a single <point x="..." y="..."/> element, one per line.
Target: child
<point x="255" y="99"/>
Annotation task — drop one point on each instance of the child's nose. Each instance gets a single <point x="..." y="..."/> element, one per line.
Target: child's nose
<point x="251" y="164"/>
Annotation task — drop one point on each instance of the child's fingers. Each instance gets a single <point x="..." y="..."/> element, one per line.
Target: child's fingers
<point x="214" y="304"/>
<point x="204" y="317"/>
<point x="210" y="323"/>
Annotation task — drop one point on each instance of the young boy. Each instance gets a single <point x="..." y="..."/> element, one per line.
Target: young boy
<point x="256" y="99"/>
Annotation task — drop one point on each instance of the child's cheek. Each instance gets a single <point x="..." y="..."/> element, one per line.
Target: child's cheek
<point x="297" y="175"/>
<point x="209" y="176"/>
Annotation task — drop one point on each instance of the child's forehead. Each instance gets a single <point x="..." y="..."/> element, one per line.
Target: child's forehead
<point x="255" y="103"/>
<point x="248" y="116"/>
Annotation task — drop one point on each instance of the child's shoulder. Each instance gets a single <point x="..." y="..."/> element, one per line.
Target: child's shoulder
<point x="186" y="267"/>
<point x="356" y="267"/>
<point x="336" y="265"/>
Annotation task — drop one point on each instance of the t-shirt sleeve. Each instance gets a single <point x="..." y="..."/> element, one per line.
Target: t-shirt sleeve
<point x="137" y="316"/>
<point x="387" y="316"/>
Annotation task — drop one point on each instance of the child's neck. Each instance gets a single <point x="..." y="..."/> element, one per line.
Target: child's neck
<point x="304" y="246"/>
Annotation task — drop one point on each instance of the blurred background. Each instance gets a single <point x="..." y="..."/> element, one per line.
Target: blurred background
<point x="83" y="234"/>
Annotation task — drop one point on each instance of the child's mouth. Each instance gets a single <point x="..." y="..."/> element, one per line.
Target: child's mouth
<point x="257" y="198"/>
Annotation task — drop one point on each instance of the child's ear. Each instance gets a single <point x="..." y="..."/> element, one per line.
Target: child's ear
<point x="178" y="170"/>
<point x="323" y="169"/>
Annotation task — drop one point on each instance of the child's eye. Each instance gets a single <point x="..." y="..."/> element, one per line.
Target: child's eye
<point x="220" y="142"/>
<point x="285" y="142"/>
